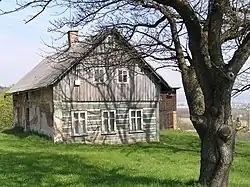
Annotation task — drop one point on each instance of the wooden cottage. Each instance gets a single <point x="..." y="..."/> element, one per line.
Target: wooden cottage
<point x="96" y="91"/>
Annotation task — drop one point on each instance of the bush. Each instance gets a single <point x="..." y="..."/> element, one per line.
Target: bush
<point x="6" y="110"/>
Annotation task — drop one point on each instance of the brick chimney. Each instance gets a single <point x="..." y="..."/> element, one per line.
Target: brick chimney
<point x="72" y="37"/>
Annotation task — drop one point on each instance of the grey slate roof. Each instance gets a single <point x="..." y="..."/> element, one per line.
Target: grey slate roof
<point x="49" y="70"/>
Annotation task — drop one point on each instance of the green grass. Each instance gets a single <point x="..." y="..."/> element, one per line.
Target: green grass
<point x="31" y="160"/>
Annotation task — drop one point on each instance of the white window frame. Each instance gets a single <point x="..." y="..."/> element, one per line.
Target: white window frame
<point x="78" y="70"/>
<point x="104" y="74"/>
<point x="122" y="69"/>
<point x="84" y="129"/>
<point x="130" y="120"/>
<point x="109" y="127"/>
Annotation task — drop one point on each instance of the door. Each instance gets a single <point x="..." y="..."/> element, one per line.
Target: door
<point x="19" y="116"/>
<point x="27" y="116"/>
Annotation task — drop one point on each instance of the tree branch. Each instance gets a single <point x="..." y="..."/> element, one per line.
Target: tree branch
<point x="240" y="56"/>
<point x="29" y="4"/>
<point x="214" y="30"/>
<point x="234" y="33"/>
<point x="177" y="44"/>
<point x="189" y="79"/>
<point x="163" y="18"/>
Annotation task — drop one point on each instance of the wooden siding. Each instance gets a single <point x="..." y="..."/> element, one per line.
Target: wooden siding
<point x="34" y="111"/>
<point x="63" y="122"/>
<point x="50" y="109"/>
<point x="141" y="86"/>
<point x="168" y="111"/>
<point x="142" y="91"/>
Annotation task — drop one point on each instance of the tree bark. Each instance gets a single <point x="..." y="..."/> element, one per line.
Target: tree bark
<point x="216" y="158"/>
<point x="217" y="141"/>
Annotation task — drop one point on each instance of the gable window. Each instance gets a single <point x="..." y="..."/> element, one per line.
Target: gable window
<point x="79" y="70"/>
<point x="99" y="75"/>
<point x="135" y="119"/>
<point x="122" y="76"/>
<point x="79" y="122"/>
<point x="108" y="121"/>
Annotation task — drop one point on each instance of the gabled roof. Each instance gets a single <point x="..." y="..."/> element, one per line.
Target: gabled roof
<point x="49" y="70"/>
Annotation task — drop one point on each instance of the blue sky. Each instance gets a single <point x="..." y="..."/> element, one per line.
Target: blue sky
<point x="20" y="44"/>
<point x="21" y="47"/>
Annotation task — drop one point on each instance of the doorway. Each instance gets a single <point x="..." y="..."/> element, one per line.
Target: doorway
<point x="27" y="117"/>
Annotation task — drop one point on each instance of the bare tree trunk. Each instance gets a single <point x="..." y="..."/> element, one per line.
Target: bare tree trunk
<point x="217" y="144"/>
<point x="216" y="160"/>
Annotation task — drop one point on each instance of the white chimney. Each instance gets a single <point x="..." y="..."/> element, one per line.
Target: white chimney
<point x="72" y="37"/>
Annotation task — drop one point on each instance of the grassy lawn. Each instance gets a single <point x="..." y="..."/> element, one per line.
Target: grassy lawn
<point x="30" y="160"/>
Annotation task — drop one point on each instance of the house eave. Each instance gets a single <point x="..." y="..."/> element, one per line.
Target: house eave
<point x="28" y="90"/>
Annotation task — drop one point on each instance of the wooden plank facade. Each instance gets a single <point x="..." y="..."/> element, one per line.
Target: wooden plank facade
<point x="106" y="98"/>
<point x="168" y="108"/>
<point x="140" y="92"/>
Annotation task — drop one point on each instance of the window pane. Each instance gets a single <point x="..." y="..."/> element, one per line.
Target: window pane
<point x="76" y="116"/>
<point x="132" y="113"/>
<point x="112" y="115"/>
<point x="120" y="76"/>
<point x="133" y="125"/>
<point x="112" y="125"/>
<point x="82" y="115"/>
<point x="105" y="114"/>
<point x="125" y="76"/>
<point x="138" y="113"/>
<point x="101" y="79"/>
<point x="123" y="89"/>
<point x="101" y="71"/>
<point x="83" y="126"/>
<point x="139" y="124"/>
<point x="101" y="75"/>
<point x="97" y="75"/>
<point x="76" y="126"/>
<point x="106" y="125"/>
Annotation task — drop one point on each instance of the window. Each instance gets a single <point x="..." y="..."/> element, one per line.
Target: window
<point x="108" y="122"/>
<point x="122" y="76"/>
<point x="78" y="74"/>
<point x="79" y="122"/>
<point x="99" y="75"/>
<point x="135" y="118"/>
<point x="79" y="70"/>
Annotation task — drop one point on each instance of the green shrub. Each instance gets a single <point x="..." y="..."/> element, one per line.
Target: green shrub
<point x="6" y="110"/>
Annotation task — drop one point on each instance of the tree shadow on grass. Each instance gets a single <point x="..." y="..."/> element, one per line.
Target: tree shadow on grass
<point x="187" y="143"/>
<point x="180" y="143"/>
<point x="19" y="132"/>
<point x="42" y="169"/>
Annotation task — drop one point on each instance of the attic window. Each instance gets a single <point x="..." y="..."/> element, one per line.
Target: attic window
<point x="122" y="76"/>
<point x="99" y="75"/>
<point x="79" y="70"/>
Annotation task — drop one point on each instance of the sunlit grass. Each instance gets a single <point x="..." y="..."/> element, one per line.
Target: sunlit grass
<point x="31" y="160"/>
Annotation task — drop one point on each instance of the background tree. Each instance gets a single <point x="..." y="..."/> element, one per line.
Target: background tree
<point x="209" y="41"/>
<point x="6" y="109"/>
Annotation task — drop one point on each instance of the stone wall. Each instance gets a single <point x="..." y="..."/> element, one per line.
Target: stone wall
<point x="33" y="111"/>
